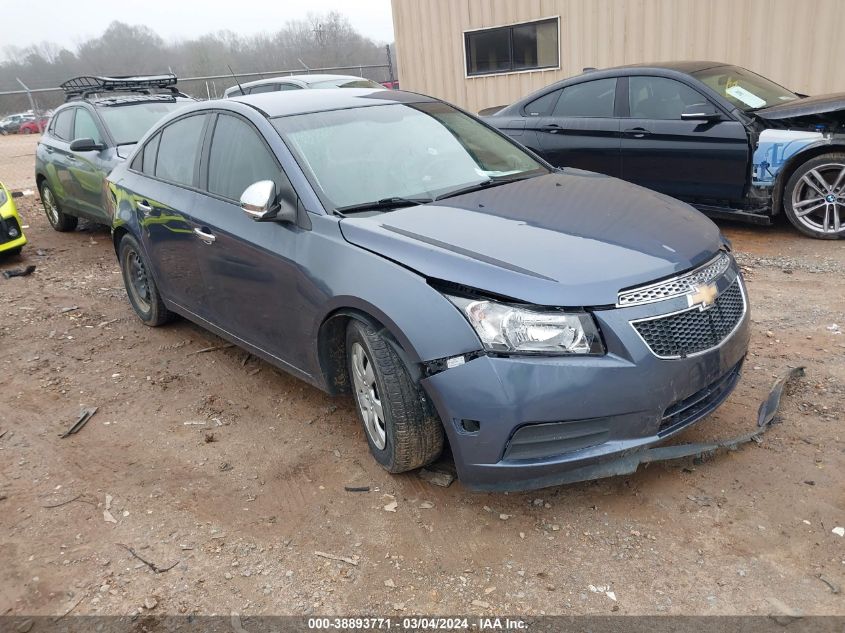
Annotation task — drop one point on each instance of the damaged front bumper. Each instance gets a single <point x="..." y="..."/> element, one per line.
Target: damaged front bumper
<point x="522" y="422"/>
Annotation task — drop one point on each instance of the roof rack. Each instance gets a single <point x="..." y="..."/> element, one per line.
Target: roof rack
<point x="86" y="85"/>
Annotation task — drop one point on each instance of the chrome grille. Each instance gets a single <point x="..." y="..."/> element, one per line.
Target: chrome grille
<point x="676" y="286"/>
<point x="694" y="331"/>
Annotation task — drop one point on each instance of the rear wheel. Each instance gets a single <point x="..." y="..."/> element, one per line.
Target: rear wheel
<point x="140" y="285"/>
<point x="401" y="426"/>
<point x="55" y="216"/>
<point x="814" y="197"/>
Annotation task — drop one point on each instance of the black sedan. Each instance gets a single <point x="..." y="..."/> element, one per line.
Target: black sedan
<point x="732" y="143"/>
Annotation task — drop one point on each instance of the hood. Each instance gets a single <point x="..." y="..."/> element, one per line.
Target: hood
<point x="807" y="106"/>
<point x="568" y="239"/>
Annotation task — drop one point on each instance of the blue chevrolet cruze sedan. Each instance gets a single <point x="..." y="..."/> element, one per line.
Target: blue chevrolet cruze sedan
<point x="545" y="323"/>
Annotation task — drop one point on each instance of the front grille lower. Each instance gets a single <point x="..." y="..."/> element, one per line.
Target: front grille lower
<point x="694" y="331"/>
<point x="699" y="404"/>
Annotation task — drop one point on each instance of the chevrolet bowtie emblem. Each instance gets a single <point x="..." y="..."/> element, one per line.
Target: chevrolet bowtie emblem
<point x="703" y="297"/>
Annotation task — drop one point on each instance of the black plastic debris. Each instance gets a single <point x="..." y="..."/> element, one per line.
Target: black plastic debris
<point x="19" y="272"/>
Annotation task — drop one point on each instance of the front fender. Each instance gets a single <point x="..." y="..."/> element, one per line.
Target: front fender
<point x="423" y="321"/>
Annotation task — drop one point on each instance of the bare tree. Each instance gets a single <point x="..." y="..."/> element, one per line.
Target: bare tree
<point x="319" y="41"/>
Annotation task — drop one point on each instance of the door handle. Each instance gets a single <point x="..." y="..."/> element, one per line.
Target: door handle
<point x="143" y="205"/>
<point x="551" y="128"/>
<point x="204" y="235"/>
<point x="71" y="158"/>
<point x="637" y="132"/>
<point x="48" y="149"/>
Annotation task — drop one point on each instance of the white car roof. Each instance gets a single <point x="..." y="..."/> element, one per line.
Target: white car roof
<point x="302" y="80"/>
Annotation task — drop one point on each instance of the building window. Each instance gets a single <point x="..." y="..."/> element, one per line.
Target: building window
<point x="505" y="49"/>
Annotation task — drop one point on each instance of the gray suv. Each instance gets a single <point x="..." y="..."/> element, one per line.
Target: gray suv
<point x="546" y="323"/>
<point x="98" y="126"/>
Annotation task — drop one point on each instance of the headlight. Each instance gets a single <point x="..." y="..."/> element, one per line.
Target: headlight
<point x="508" y="328"/>
<point x="3" y="197"/>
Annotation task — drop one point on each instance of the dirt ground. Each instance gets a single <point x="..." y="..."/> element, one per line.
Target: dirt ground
<point x="235" y="473"/>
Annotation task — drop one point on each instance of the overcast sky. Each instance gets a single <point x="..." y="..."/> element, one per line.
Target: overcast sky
<point x="69" y="22"/>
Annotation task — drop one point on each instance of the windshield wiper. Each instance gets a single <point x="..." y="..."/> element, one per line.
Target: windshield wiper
<point x="485" y="184"/>
<point x="385" y="203"/>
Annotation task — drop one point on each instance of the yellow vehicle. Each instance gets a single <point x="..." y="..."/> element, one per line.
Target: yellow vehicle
<point x="12" y="238"/>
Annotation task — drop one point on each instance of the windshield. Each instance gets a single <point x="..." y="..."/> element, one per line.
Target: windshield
<point x="413" y="151"/>
<point x="128" y="123"/>
<point x="350" y="82"/>
<point x="746" y="90"/>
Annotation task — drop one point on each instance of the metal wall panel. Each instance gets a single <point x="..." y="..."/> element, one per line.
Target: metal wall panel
<point x="797" y="44"/>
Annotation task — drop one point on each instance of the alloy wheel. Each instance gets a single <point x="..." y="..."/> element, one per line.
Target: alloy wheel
<point x="818" y="200"/>
<point x="50" y="207"/>
<point x="367" y="396"/>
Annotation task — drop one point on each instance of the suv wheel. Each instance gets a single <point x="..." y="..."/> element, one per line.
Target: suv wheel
<point x="57" y="219"/>
<point x="401" y="426"/>
<point x="814" y="197"/>
<point x="140" y="285"/>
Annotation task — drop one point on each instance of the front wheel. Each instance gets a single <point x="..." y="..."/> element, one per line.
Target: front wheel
<point x="140" y="286"/>
<point x="401" y="426"/>
<point x="814" y="197"/>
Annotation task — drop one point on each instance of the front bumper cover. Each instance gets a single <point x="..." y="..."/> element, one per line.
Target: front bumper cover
<point x="624" y="396"/>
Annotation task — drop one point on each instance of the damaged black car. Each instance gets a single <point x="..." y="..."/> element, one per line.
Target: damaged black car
<point x="730" y="142"/>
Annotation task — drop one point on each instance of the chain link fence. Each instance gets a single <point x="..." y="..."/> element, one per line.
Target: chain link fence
<point x="43" y="100"/>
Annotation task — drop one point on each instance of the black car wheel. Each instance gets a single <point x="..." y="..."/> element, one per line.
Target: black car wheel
<point x="401" y="426"/>
<point x="55" y="216"/>
<point x="814" y="197"/>
<point x="140" y="285"/>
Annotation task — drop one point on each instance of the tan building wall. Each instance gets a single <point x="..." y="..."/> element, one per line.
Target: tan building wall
<point x="797" y="43"/>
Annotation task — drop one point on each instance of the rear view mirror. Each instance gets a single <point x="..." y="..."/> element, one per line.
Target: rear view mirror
<point x="259" y="202"/>
<point x="86" y="145"/>
<point x="700" y="112"/>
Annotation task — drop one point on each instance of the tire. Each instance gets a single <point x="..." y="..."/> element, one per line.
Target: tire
<point x="12" y="252"/>
<point x="814" y="197"/>
<point x="141" y="288"/>
<point x="58" y="219"/>
<point x="26" y="130"/>
<point x="412" y="432"/>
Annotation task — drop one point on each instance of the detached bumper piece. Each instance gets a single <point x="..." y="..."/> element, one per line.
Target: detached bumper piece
<point x="628" y="463"/>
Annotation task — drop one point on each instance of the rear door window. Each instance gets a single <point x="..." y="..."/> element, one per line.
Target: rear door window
<point x="263" y="88"/>
<point x="238" y="158"/>
<point x="179" y="149"/>
<point x="150" y="153"/>
<point x="63" y="127"/>
<point x="542" y="105"/>
<point x="588" y="99"/>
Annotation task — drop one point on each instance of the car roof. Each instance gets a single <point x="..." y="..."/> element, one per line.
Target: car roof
<point x="687" y="67"/>
<point x="305" y="79"/>
<point x="275" y="104"/>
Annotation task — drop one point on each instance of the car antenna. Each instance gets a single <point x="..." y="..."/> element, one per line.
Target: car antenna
<point x="236" y="79"/>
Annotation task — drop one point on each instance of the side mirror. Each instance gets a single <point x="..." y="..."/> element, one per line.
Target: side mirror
<point x="700" y="112"/>
<point x="259" y="202"/>
<point x="86" y="145"/>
